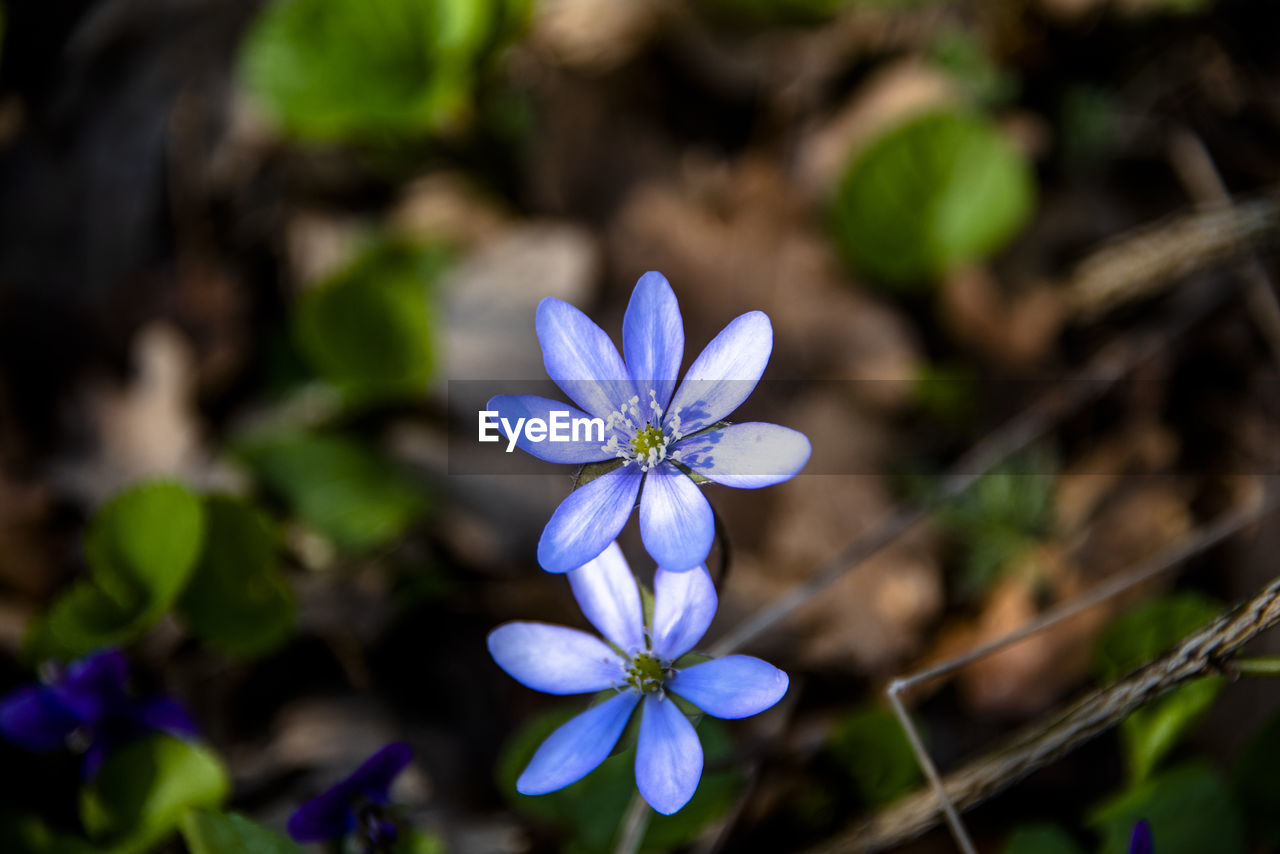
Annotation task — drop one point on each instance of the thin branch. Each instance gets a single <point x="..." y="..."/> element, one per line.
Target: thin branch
<point x="633" y="825"/>
<point x="1204" y="653"/>
<point x="1107" y="368"/>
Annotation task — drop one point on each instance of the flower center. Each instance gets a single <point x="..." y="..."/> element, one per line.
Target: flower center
<point x="647" y="673"/>
<point x="650" y="438"/>
<point x="639" y="435"/>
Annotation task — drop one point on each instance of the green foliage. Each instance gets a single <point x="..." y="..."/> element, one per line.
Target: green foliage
<point x="871" y="745"/>
<point x="141" y="548"/>
<point x="419" y="842"/>
<point x="368" y="330"/>
<point x="1041" y="839"/>
<point x="208" y="832"/>
<point x="1001" y="515"/>
<point x="962" y="55"/>
<point x="27" y="834"/>
<point x="237" y="600"/>
<point x="1149" y="733"/>
<point x="1257" y="785"/>
<point x="1190" y="810"/>
<point x="336" y="486"/>
<point x="589" y="811"/>
<point x="335" y="70"/>
<point x="939" y="191"/>
<point x="142" y="791"/>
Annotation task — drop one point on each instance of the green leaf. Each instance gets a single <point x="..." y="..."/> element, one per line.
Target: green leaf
<point x="589" y="811"/>
<point x="237" y="600"/>
<point x="208" y="832"/>
<point x="872" y="747"/>
<point x="141" y="548"/>
<point x="1257" y="785"/>
<point x="28" y="834"/>
<point x="142" y="791"/>
<point x="369" y="330"/>
<point x="331" y="70"/>
<point x="1190" y="809"/>
<point x="1149" y="733"/>
<point x="935" y="193"/>
<point x="1041" y="839"/>
<point x="337" y="487"/>
<point x="143" y="544"/>
<point x="420" y="842"/>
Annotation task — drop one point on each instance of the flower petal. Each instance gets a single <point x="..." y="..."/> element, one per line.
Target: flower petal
<point x="555" y="659"/>
<point x="748" y="455"/>
<point x="588" y="520"/>
<point x="373" y="778"/>
<point x="607" y="592"/>
<point x="164" y="715"/>
<point x="514" y="407"/>
<point x="581" y="359"/>
<point x="724" y="374"/>
<point x="668" y="756"/>
<point x="684" y="604"/>
<point x="94" y="686"/>
<point x="676" y="523"/>
<point x="575" y="749"/>
<point x="34" y="719"/>
<point x="736" y="686"/>
<point x="324" y="817"/>
<point x="653" y="338"/>
<point x="1141" y="841"/>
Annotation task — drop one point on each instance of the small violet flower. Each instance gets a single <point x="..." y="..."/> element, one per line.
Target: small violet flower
<point x="658" y="431"/>
<point x="87" y="706"/>
<point x="1141" y="842"/>
<point x="639" y="664"/>
<point x="356" y="804"/>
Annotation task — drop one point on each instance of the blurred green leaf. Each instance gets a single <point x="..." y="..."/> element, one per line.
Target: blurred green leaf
<point x="420" y="842"/>
<point x="237" y="600"/>
<point x="1041" y="839"/>
<point x="141" y="548"/>
<point x="589" y="811"/>
<point x="208" y="832"/>
<point x="369" y="330"/>
<point x="873" y="748"/>
<point x="1135" y="638"/>
<point x="28" y="834"/>
<point x="1000" y="516"/>
<point x="1190" y="809"/>
<point x="331" y="69"/>
<point x="1257" y="785"/>
<point x="964" y="57"/>
<point x="337" y="486"/>
<point x="939" y="191"/>
<point x="142" y="791"/>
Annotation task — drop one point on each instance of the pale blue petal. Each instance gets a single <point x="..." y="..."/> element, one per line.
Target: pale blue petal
<point x="684" y="604"/>
<point x="748" y="455"/>
<point x="676" y="523"/>
<point x="724" y="374"/>
<point x="514" y="407"/>
<point x="588" y="520"/>
<point x="653" y="338"/>
<point x="581" y="359"/>
<point x="575" y="749"/>
<point x="607" y="593"/>
<point x="737" y="686"/>
<point x="555" y="659"/>
<point x="668" y="756"/>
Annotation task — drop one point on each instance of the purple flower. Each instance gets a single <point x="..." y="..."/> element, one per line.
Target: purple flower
<point x="87" y="705"/>
<point x="356" y="803"/>
<point x="638" y="664"/>
<point x="1141" y="843"/>
<point x="657" y="430"/>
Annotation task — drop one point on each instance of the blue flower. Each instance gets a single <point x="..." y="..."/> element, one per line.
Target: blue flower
<point x="652" y="426"/>
<point x="1141" y="842"/>
<point x="639" y="665"/>
<point x="87" y="705"/>
<point x="355" y="804"/>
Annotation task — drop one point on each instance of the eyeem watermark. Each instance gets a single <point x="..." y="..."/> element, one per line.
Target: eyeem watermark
<point x="558" y="426"/>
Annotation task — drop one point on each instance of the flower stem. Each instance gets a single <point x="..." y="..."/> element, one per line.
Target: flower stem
<point x="1262" y="665"/>
<point x="633" y="825"/>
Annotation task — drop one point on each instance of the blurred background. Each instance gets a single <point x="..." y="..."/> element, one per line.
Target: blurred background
<point x="254" y="254"/>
